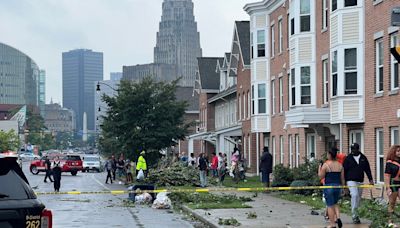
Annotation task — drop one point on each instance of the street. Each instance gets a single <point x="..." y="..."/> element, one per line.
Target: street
<point x="98" y="210"/>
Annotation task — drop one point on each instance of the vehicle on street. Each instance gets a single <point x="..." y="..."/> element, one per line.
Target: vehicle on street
<point x="25" y="156"/>
<point x="69" y="163"/>
<point x="19" y="206"/>
<point x="92" y="162"/>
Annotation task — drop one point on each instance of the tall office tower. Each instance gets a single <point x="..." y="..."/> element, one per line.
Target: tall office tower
<point x="42" y="92"/>
<point x="178" y="41"/>
<point x="81" y="68"/>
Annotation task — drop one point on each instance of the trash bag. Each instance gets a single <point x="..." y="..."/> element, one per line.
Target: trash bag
<point x="143" y="198"/>
<point x="140" y="175"/>
<point x="162" y="201"/>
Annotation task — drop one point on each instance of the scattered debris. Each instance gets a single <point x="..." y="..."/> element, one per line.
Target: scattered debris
<point x="251" y="215"/>
<point x="228" y="222"/>
<point x="162" y="201"/>
<point x="314" y="212"/>
<point x="143" y="198"/>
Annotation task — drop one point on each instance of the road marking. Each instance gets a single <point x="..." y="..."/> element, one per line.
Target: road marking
<point x="95" y="179"/>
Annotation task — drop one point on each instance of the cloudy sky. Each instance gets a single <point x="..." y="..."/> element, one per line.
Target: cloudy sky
<point x="124" y="30"/>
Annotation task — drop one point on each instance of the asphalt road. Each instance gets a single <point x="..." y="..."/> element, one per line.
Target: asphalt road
<point x="99" y="210"/>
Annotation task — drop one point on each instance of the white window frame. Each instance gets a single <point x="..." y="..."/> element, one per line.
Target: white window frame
<point x="290" y="151"/>
<point x="325" y="15"/>
<point x="280" y="45"/>
<point x="251" y="45"/>
<point x="303" y="85"/>
<point x="260" y="98"/>
<point x="379" y="60"/>
<point x="273" y="96"/>
<point x="244" y="106"/>
<point x="249" y="149"/>
<point x="344" y="4"/>
<point x="379" y="146"/>
<point x="281" y="150"/>
<point x="292" y="92"/>
<point x="272" y="41"/>
<point x="240" y="107"/>
<point x="334" y="73"/>
<point x="305" y="15"/>
<point x="280" y="94"/>
<point x="273" y="150"/>
<point x="394" y="40"/>
<point x="325" y="78"/>
<point x="252" y="100"/>
<point x="261" y="43"/>
<point x="353" y="139"/>
<point x="297" y="149"/>
<point x="248" y="105"/>
<point x="350" y="70"/>
<point x="393" y="139"/>
<point x="311" y="146"/>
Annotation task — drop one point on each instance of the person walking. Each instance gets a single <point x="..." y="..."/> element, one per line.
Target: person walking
<point x="266" y="167"/>
<point x="141" y="164"/>
<point x="109" y="167"/>
<point x="392" y="177"/>
<point x="57" y="174"/>
<point x="47" y="166"/>
<point x="120" y="167"/>
<point x="333" y="173"/>
<point x="214" y="165"/>
<point x="355" y="165"/>
<point x="203" y="170"/>
<point x="221" y="167"/>
<point x="114" y="166"/>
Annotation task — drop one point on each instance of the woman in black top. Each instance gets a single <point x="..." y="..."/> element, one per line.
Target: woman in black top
<point x="392" y="176"/>
<point x="57" y="174"/>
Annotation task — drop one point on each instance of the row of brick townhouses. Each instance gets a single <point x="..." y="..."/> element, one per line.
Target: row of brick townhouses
<point x="305" y="76"/>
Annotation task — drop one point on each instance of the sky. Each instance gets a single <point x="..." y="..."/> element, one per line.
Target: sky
<point x="124" y="30"/>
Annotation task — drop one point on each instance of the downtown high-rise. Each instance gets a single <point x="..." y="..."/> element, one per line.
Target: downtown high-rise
<point x="81" y="69"/>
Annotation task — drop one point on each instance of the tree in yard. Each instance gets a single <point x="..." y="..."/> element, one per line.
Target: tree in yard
<point x="144" y="115"/>
<point x="9" y="141"/>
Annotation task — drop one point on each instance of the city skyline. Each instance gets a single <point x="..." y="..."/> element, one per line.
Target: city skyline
<point x="69" y="25"/>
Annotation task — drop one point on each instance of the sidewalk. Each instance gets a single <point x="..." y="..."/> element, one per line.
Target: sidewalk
<point x="271" y="212"/>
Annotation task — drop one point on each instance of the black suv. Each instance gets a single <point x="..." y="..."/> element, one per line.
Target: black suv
<point x="19" y="206"/>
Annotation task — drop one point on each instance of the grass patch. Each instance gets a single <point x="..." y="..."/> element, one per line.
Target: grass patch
<point x="314" y="201"/>
<point x="209" y="201"/>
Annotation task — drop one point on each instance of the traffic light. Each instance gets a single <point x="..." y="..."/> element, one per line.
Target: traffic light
<point x="396" y="52"/>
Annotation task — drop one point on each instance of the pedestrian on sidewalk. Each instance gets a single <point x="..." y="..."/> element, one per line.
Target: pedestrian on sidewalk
<point x="141" y="164"/>
<point x="120" y="167"/>
<point x="109" y="167"/>
<point x="214" y="165"/>
<point x="266" y="167"/>
<point x="114" y="166"/>
<point x="392" y="177"/>
<point x="355" y="165"/>
<point x="333" y="173"/>
<point x="57" y="174"/>
<point x="47" y="166"/>
<point x="129" y="177"/>
<point x="203" y="170"/>
<point x="221" y="167"/>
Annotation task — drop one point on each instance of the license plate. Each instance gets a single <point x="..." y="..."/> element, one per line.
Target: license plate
<point x="32" y="221"/>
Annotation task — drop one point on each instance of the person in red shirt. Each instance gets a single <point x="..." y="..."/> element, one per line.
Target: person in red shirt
<point x="214" y="165"/>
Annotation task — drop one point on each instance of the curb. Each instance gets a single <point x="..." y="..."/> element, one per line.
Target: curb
<point x="199" y="217"/>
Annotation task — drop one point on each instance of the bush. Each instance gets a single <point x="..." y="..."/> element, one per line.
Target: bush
<point x="283" y="176"/>
<point x="308" y="171"/>
<point x="302" y="183"/>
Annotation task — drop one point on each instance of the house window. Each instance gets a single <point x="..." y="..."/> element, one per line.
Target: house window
<point x="252" y="99"/>
<point x="249" y="151"/>
<point x="296" y="148"/>
<point x="305" y="15"/>
<point x="324" y="14"/>
<point x="293" y="87"/>
<point x="248" y="104"/>
<point x="292" y="26"/>
<point x="290" y="151"/>
<point x="305" y="85"/>
<point x="379" y="154"/>
<point x="325" y="86"/>
<point x="261" y="43"/>
<point x="311" y="146"/>
<point x="334" y="5"/>
<point x="281" y="148"/>
<point x="240" y="107"/>
<point x="273" y="96"/>
<point x="280" y="36"/>
<point x="244" y="146"/>
<point x="379" y="65"/>
<point x="272" y="41"/>
<point x="273" y="150"/>
<point x="394" y="136"/>
<point x="244" y="106"/>
<point x="334" y="74"/>
<point x="350" y="71"/>
<point x="261" y="98"/>
<point x="281" y="94"/>
<point x="348" y="3"/>
<point x="394" y="65"/>
<point x="356" y="136"/>
<point x="251" y="46"/>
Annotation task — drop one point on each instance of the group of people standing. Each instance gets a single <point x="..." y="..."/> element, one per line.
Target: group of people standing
<point x="119" y="169"/>
<point x="217" y="166"/>
<point x="53" y="169"/>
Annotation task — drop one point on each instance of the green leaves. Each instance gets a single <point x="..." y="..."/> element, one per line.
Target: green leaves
<point x="144" y="115"/>
<point x="9" y="141"/>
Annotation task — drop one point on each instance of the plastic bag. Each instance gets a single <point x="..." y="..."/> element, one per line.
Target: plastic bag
<point x="140" y="175"/>
<point x="162" y="201"/>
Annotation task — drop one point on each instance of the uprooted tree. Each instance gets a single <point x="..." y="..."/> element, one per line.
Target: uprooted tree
<point x="143" y="115"/>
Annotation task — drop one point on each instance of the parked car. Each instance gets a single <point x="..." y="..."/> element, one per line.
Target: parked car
<point x="69" y="163"/>
<point x="92" y="162"/>
<point x="25" y="156"/>
<point x="19" y="206"/>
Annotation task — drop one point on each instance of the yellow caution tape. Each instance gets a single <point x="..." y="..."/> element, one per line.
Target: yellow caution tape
<point x="202" y="190"/>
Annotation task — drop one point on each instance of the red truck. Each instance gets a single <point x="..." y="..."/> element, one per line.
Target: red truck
<point x="69" y="163"/>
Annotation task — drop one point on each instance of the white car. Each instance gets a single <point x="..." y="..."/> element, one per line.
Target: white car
<point x="28" y="156"/>
<point x="92" y="162"/>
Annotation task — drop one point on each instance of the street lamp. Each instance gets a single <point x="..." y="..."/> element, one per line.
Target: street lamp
<point x="102" y="83"/>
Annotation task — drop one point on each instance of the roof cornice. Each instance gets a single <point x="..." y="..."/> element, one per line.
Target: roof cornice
<point x="265" y="5"/>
